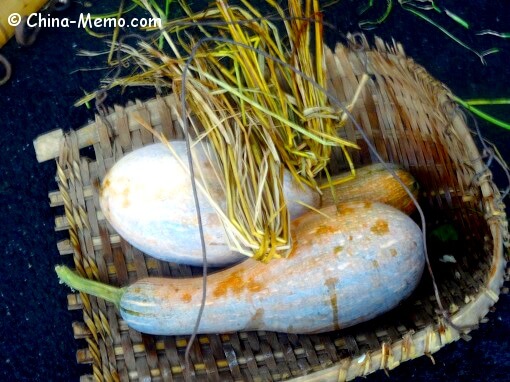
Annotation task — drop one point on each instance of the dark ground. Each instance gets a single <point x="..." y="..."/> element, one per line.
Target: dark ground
<point x="36" y="342"/>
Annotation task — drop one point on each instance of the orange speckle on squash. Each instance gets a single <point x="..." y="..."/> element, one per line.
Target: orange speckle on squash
<point x="368" y="205"/>
<point x="104" y="186"/>
<point x="186" y="297"/>
<point x="380" y="227"/>
<point x="324" y="229"/>
<point x="342" y="210"/>
<point x="393" y="252"/>
<point x="338" y="249"/>
<point x="125" y="194"/>
<point x="253" y="286"/>
<point x="233" y="282"/>
<point x="236" y="284"/>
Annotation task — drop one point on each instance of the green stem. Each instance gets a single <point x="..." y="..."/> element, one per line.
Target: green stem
<point x="481" y="55"/>
<point x="365" y="8"/>
<point x="481" y="114"/>
<point x="94" y="288"/>
<point x="494" y="33"/>
<point x="367" y="24"/>
<point x="457" y="19"/>
<point x="488" y="102"/>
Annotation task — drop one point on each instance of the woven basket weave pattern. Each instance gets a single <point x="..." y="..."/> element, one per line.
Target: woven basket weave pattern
<point x="412" y="121"/>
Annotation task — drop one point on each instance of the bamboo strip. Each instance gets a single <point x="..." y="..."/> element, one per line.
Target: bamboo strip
<point x="47" y="145"/>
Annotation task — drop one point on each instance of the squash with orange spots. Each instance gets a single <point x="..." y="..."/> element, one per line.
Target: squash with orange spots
<point x="343" y="269"/>
<point x="373" y="183"/>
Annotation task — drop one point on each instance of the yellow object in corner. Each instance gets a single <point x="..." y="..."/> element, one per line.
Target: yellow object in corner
<point x="10" y="10"/>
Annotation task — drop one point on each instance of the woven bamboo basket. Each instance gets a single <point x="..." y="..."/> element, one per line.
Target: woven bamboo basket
<point x="412" y="120"/>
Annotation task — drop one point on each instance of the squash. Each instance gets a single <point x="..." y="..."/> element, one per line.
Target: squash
<point x="348" y="264"/>
<point x="147" y="198"/>
<point x="373" y="182"/>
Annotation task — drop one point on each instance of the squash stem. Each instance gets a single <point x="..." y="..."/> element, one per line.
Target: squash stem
<point x="94" y="288"/>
